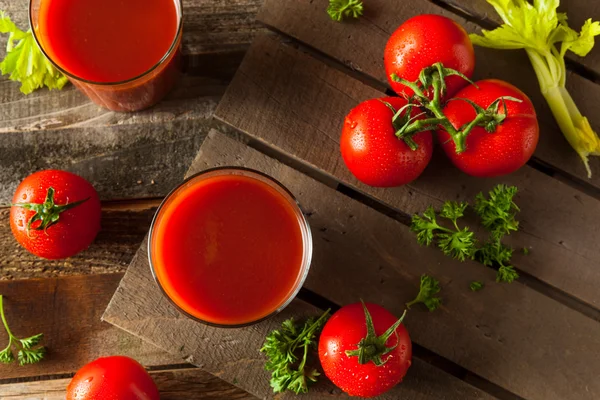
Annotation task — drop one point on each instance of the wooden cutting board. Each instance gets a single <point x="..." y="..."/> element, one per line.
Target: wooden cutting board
<point x="233" y="354"/>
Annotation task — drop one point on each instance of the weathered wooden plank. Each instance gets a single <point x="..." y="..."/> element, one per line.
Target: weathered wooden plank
<point x="67" y="310"/>
<point x="121" y="161"/>
<point x="121" y="234"/>
<point x="359" y="45"/>
<point x="360" y="253"/>
<point x="183" y="384"/>
<point x="194" y="97"/>
<point x="216" y="36"/>
<point x="302" y="111"/>
<point x="577" y="11"/>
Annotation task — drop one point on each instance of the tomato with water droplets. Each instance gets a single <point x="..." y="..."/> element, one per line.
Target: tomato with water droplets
<point x="373" y="152"/>
<point x="508" y="147"/>
<point x="55" y="214"/>
<point x="365" y="350"/>
<point x="115" y="377"/>
<point x="423" y="41"/>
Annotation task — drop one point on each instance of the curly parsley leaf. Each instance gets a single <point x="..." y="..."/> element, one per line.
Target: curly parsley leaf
<point x="32" y="341"/>
<point x="287" y="351"/>
<point x="6" y="355"/>
<point x="492" y="253"/>
<point x="340" y="9"/>
<point x="476" y="286"/>
<point x="25" y="63"/>
<point x="498" y="210"/>
<point x="507" y="274"/>
<point x="499" y="255"/>
<point x="429" y="287"/>
<point x="31" y="356"/>
<point x="425" y="226"/>
<point x="459" y="243"/>
<point x="26" y="353"/>
<point x="453" y="210"/>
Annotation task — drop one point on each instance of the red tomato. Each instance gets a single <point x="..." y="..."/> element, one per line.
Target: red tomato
<point x="492" y="154"/>
<point x="69" y="227"/>
<point x="423" y="41"/>
<point x="115" y="377"/>
<point x="342" y="333"/>
<point x="374" y="154"/>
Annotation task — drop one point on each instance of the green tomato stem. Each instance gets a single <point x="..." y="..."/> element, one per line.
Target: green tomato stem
<point x="459" y="138"/>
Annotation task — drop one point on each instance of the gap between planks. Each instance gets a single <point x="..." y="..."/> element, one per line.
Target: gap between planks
<point x="424" y="354"/>
<point x="573" y="63"/>
<point x="287" y="120"/>
<point x="174" y="383"/>
<point x="219" y="154"/>
<point x="540" y="165"/>
<point x="405" y="219"/>
<point x="535" y="162"/>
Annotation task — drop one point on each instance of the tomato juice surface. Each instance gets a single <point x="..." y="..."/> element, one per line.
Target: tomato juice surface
<point x="229" y="249"/>
<point x="107" y="40"/>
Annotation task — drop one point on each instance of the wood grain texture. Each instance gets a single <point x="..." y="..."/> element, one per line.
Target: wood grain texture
<point x="233" y="355"/>
<point x="301" y="112"/>
<point x="67" y="310"/>
<point x="577" y="11"/>
<point x="375" y="258"/>
<point x="184" y="384"/>
<point x="192" y="98"/>
<point x="359" y="45"/>
<point x="111" y="252"/>
<point x="122" y="161"/>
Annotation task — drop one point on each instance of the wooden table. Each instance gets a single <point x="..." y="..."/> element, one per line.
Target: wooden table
<point x="538" y="338"/>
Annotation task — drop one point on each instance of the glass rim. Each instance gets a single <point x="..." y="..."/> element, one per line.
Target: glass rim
<point x="302" y="222"/>
<point x="172" y="49"/>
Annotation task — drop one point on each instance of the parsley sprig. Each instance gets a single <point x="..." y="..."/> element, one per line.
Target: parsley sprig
<point x="428" y="288"/>
<point x="27" y="353"/>
<point x="340" y="9"/>
<point x="456" y="242"/>
<point x="288" y="349"/>
<point x="497" y="212"/>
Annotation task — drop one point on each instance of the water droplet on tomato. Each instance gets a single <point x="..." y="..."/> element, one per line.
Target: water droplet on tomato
<point x="88" y="380"/>
<point x="351" y="123"/>
<point x="24" y="197"/>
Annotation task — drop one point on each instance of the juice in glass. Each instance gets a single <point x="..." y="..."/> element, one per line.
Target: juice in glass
<point x="230" y="247"/>
<point x="124" y="55"/>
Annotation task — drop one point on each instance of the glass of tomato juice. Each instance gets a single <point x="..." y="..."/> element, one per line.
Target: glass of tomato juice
<point x="230" y="247"/>
<point x="124" y="55"/>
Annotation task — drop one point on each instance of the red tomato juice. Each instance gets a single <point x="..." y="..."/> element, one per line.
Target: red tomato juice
<point x="227" y="249"/>
<point x="110" y="41"/>
<point x="107" y="40"/>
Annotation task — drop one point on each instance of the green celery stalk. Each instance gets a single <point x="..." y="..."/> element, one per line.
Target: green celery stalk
<point x="546" y="37"/>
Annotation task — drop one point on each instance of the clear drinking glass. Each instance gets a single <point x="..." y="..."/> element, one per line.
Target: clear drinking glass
<point x="227" y="171"/>
<point x="133" y="94"/>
